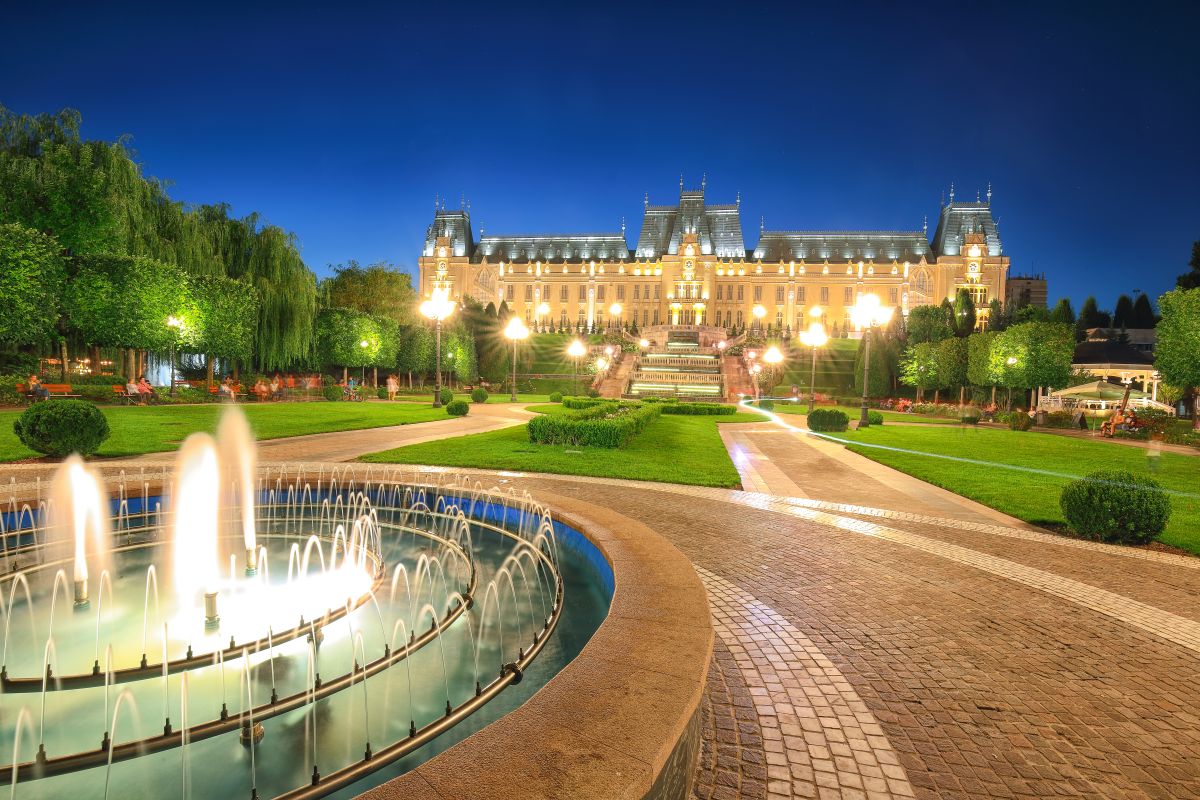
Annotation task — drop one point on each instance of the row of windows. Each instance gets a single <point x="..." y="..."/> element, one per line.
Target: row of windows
<point x="689" y="292"/>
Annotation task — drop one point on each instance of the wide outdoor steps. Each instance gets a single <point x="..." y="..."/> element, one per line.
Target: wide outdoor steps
<point x="617" y="378"/>
<point x="683" y="370"/>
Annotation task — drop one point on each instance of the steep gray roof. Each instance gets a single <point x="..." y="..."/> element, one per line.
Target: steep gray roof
<point x="454" y="224"/>
<point x="959" y="219"/>
<point x="842" y="246"/>
<point x="718" y="228"/>
<point x="553" y="247"/>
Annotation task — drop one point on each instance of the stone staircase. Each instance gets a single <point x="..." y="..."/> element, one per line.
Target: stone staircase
<point x="618" y="376"/>
<point x="680" y="367"/>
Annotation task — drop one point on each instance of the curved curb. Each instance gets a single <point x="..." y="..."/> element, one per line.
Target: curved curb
<point x="622" y="719"/>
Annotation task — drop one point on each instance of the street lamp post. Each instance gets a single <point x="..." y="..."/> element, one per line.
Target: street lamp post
<point x="759" y="311"/>
<point x="771" y="357"/>
<point x="543" y="308"/>
<point x="814" y="337"/>
<point x="438" y="307"/>
<point x="614" y="312"/>
<point x="515" y="332"/>
<point x="576" y="351"/>
<point x="867" y="314"/>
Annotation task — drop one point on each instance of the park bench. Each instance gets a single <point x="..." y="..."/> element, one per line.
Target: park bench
<point x="57" y="391"/>
<point x="237" y="390"/>
<point x="128" y="398"/>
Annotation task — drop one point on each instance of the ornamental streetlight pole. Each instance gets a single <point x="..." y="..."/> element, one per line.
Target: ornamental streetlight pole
<point x="771" y="357"/>
<point x="614" y="312"/>
<point x="438" y="307"/>
<point x="814" y="337"/>
<point x="759" y="311"/>
<point x="867" y="314"/>
<point x="515" y="332"/>
<point x="576" y="351"/>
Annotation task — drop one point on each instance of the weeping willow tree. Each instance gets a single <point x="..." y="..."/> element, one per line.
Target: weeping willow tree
<point x="93" y="197"/>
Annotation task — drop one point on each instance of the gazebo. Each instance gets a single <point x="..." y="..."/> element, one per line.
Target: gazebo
<point x="1098" y="398"/>
<point x="1112" y="359"/>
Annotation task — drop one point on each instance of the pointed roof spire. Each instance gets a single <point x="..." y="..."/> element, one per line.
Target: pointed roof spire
<point x="989" y="194"/>
<point x="437" y="200"/>
<point x="646" y="199"/>
<point x="462" y="201"/>
<point x="925" y="226"/>
<point x="739" y="198"/>
<point x="622" y="224"/>
<point x="943" y="203"/>
<point x="977" y="197"/>
<point x="951" y="194"/>
<point x="762" y="224"/>
<point x="703" y="180"/>
<point x="681" y="181"/>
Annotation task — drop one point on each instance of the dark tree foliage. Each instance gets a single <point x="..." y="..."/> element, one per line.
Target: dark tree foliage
<point x="1123" y="313"/>
<point x="381" y="289"/>
<point x="928" y="324"/>
<point x="1191" y="279"/>
<point x="31" y="282"/>
<point x="1143" y="313"/>
<point x="1062" y="313"/>
<point x="963" y="311"/>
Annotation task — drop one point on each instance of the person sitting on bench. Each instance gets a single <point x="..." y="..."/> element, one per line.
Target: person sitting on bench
<point x="132" y="392"/>
<point x="37" y="390"/>
<point x="145" y="390"/>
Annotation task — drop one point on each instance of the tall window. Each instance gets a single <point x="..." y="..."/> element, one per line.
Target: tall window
<point x="757" y="293"/>
<point x="599" y="294"/>
<point x="779" y="319"/>
<point x="893" y="296"/>
<point x="825" y="295"/>
<point x="637" y="291"/>
<point x="582" y="293"/>
<point x="848" y="295"/>
<point x="778" y="294"/>
<point x="739" y="316"/>
<point x="562" y="293"/>
<point x="800" y="294"/>
<point x="720" y="291"/>
<point x="512" y="292"/>
<point x="657" y="295"/>
<point x="656" y="307"/>
<point x="528" y="292"/>
<point x="620" y="291"/>
<point x="741" y="295"/>
<point x="645" y="317"/>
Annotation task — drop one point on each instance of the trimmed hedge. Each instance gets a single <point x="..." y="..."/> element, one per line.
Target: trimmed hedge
<point x="766" y="404"/>
<point x="556" y="397"/>
<point x="1019" y="421"/>
<point x="828" y="419"/>
<point x="332" y="393"/>
<point x="874" y="418"/>
<point x="594" y="427"/>
<point x="581" y="402"/>
<point x="1116" y="506"/>
<point x="458" y="408"/>
<point x="447" y="396"/>
<point x="699" y="409"/>
<point x="479" y="395"/>
<point x="62" y="427"/>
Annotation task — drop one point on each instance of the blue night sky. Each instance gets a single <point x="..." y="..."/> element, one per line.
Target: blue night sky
<point x="341" y="123"/>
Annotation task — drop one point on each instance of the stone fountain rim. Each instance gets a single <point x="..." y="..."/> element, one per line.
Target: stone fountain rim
<point x="645" y="666"/>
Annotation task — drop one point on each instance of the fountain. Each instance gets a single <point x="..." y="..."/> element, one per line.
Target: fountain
<point x="317" y="630"/>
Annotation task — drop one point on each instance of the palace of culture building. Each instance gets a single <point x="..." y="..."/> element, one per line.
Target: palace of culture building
<point x="691" y="266"/>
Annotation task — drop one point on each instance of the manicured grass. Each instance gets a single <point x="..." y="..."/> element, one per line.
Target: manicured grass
<point x="156" y="429"/>
<point x="672" y="449"/>
<point x="852" y="413"/>
<point x="1028" y="493"/>
<point x="835" y="367"/>
<point x="550" y="352"/>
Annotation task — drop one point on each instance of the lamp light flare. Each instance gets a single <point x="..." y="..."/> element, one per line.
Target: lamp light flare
<point x="516" y="329"/>
<point x="576" y="349"/>
<point x="773" y="355"/>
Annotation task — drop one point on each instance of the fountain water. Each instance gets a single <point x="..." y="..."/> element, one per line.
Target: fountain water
<point x="337" y="537"/>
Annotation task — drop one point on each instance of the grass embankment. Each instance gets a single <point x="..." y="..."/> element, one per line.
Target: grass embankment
<point x="155" y="429"/>
<point x="672" y="449"/>
<point x="835" y="368"/>
<point x="1023" y="473"/>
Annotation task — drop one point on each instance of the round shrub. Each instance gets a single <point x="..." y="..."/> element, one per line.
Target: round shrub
<point x="970" y="416"/>
<point x="593" y="392"/>
<point x="446" y="396"/>
<point x="1116" y="506"/>
<point x="828" y="419"/>
<point x="479" y="395"/>
<point x="62" y="427"/>
<point x="332" y="393"/>
<point x="766" y="404"/>
<point x="1019" y="421"/>
<point x="381" y="393"/>
<point x="874" y="418"/>
<point x="556" y="397"/>
<point x="458" y="408"/>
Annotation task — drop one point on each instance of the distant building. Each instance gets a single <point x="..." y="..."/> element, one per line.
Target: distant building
<point x="1142" y="339"/>
<point x="691" y="266"/>
<point x="1025" y="290"/>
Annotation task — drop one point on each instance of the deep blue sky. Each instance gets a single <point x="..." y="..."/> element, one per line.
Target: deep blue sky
<point x="342" y="123"/>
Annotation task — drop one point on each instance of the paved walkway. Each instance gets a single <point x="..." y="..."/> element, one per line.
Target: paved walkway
<point x="880" y="638"/>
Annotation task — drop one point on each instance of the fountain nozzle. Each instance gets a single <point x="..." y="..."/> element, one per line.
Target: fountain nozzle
<point x="81" y="593"/>
<point x="211" y="617"/>
<point x="251" y="561"/>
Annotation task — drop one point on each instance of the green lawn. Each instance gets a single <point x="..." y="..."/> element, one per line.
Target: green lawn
<point x="1044" y="464"/>
<point x="835" y="367"/>
<point x="852" y="413"/>
<point x="160" y="428"/>
<point x="672" y="449"/>
<point x="550" y="352"/>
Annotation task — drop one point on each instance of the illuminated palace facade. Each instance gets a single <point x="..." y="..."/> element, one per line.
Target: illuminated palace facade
<point x="691" y="266"/>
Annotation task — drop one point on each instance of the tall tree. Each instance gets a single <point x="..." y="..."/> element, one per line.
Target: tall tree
<point x="1177" y="354"/>
<point x="880" y="372"/>
<point x="1191" y="279"/>
<point x="1143" y="313"/>
<point x="1089" y="317"/>
<point x="1062" y="313"/>
<point x="31" y="282"/>
<point x="951" y="360"/>
<point x="918" y="367"/>
<point x="1033" y="354"/>
<point x="1123" y="312"/>
<point x="928" y="324"/>
<point x="997" y="318"/>
<point x="381" y="289"/>
<point x="224" y="321"/>
<point x="963" y="319"/>
<point x="979" y="350"/>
